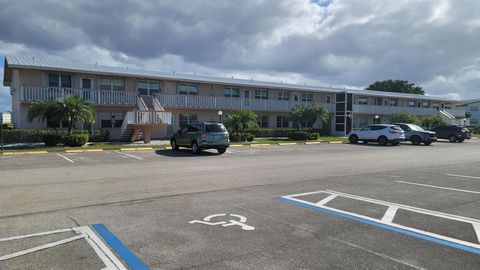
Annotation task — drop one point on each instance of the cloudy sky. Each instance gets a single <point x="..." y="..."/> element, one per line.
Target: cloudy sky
<point x="350" y="43"/>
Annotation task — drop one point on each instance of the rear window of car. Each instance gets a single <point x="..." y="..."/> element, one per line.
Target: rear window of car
<point x="377" y="127"/>
<point x="215" y="128"/>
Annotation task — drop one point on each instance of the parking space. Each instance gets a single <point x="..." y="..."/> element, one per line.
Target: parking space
<point x="281" y="207"/>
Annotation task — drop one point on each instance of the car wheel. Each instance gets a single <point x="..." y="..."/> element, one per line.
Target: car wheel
<point x="221" y="150"/>
<point x="173" y="144"/>
<point x="452" y="138"/>
<point x="416" y="140"/>
<point x="427" y="143"/>
<point x="195" y="148"/>
<point x="461" y="140"/>
<point x="353" y="139"/>
<point x="382" y="140"/>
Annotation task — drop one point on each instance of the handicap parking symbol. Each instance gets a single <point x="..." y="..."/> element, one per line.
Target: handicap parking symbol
<point x="237" y="220"/>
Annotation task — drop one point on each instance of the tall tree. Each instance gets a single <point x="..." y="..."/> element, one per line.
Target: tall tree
<point x="397" y="86"/>
<point x="306" y="117"/>
<point x="240" y="120"/>
<point x="75" y="109"/>
<point x="69" y="110"/>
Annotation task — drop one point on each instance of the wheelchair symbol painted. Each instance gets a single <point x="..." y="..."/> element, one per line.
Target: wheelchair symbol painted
<point x="239" y="221"/>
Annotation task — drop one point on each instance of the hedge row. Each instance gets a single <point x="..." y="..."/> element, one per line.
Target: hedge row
<point x="242" y="137"/>
<point x="271" y="132"/>
<point x="49" y="136"/>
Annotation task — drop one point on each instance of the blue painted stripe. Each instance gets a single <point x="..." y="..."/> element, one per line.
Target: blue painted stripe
<point x="383" y="226"/>
<point x="133" y="261"/>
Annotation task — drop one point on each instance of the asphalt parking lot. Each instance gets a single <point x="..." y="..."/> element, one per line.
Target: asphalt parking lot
<point x="327" y="206"/>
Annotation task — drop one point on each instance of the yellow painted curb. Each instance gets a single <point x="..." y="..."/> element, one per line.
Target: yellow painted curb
<point x="290" y="143"/>
<point x="136" y="149"/>
<point x="236" y="145"/>
<point x="83" y="150"/>
<point x="260" y="144"/>
<point x="336" y="142"/>
<point x="168" y="148"/>
<point x="25" y="153"/>
<point x="312" y="142"/>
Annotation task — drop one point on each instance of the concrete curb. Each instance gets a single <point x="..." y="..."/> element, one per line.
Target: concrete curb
<point x="24" y="153"/>
<point x="83" y="150"/>
<point x="136" y="149"/>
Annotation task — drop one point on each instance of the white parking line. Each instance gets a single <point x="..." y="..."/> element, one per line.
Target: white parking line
<point x="463" y="176"/>
<point x="128" y="155"/>
<point x="69" y="160"/>
<point x="439" y="187"/>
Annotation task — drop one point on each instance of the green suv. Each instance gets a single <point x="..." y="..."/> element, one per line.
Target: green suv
<point x="200" y="135"/>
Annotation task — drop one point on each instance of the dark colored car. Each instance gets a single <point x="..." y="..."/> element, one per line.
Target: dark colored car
<point x="200" y="135"/>
<point x="416" y="134"/>
<point x="453" y="133"/>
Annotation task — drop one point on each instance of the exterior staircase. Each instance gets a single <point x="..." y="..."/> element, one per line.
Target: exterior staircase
<point x="148" y="116"/>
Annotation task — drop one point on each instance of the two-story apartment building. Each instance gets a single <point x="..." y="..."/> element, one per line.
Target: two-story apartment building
<point x="127" y="99"/>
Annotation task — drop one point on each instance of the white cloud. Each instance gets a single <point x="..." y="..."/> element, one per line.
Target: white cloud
<point x="351" y="43"/>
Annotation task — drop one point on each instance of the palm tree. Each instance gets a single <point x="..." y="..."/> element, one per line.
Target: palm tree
<point x="46" y="111"/>
<point x="241" y="120"/>
<point x="69" y="110"/>
<point x="75" y="109"/>
<point x="306" y="117"/>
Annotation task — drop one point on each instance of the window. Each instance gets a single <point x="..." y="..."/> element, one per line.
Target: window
<point x="435" y="105"/>
<point x="186" y="118"/>
<point x="328" y="99"/>
<point x="261" y="94"/>
<point x="231" y="92"/>
<point x="282" y="122"/>
<point x="307" y="97"/>
<point x="262" y="121"/>
<point x="148" y="87"/>
<point x="447" y="106"/>
<point x="473" y="108"/>
<point x="283" y="95"/>
<point x="362" y="100"/>
<point x="411" y="103"/>
<point x="473" y="122"/>
<point x="378" y="101"/>
<point x="393" y="102"/>
<point x="59" y="80"/>
<point x="112" y="84"/>
<point x="215" y="128"/>
<point x="187" y="89"/>
<point x="111" y="119"/>
<point x="425" y="104"/>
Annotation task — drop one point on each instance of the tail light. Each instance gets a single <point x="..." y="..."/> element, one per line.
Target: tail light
<point x="203" y="136"/>
<point x="394" y="132"/>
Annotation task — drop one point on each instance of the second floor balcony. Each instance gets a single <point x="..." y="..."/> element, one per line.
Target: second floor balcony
<point x="224" y="103"/>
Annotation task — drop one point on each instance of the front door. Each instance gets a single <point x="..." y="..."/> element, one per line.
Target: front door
<point x="246" y="98"/>
<point x="86" y="84"/>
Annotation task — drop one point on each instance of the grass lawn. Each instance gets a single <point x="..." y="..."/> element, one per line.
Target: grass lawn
<point x="286" y="140"/>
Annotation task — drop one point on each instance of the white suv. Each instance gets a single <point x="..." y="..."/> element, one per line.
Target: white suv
<point x="381" y="133"/>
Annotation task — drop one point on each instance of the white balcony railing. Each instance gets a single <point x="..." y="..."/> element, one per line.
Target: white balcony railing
<point x="107" y="97"/>
<point x="147" y="118"/>
<point x="372" y="109"/>
<point x="204" y="102"/>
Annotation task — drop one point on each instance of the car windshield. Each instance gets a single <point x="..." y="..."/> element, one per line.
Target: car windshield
<point x="215" y="128"/>
<point x="415" y="127"/>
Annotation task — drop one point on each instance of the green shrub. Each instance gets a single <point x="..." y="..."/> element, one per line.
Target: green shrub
<point x="23" y="136"/>
<point x="476" y="129"/>
<point x="100" y="136"/>
<point x="249" y="137"/>
<point x="75" y="140"/>
<point x="51" y="139"/>
<point x="300" y="136"/>
<point x="242" y="137"/>
<point x="314" y="136"/>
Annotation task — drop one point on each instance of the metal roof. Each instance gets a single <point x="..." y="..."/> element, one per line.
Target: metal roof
<point x="467" y="102"/>
<point x="62" y="65"/>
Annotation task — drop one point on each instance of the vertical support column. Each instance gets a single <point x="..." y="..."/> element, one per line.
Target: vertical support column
<point x="147" y="134"/>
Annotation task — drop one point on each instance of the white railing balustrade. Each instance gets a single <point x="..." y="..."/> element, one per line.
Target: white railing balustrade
<point x="205" y="102"/>
<point x="148" y="118"/>
<point x="372" y="109"/>
<point x="30" y="94"/>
